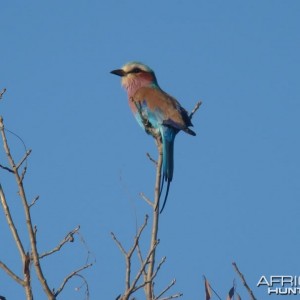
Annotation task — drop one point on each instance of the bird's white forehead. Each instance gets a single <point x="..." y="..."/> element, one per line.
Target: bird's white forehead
<point x="131" y="65"/>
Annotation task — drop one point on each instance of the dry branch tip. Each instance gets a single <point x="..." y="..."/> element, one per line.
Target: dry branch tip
<point x="198" y="104"/>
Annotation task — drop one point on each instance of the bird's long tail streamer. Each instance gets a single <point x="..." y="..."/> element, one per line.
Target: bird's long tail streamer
<point x="168" y="165"/>
<point x="166" y="195"/>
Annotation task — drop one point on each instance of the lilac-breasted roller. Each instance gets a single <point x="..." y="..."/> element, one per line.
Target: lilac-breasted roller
<point x="161" y="111"/>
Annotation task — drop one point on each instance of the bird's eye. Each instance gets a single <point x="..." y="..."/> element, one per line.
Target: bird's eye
<point x="136" y="70"/>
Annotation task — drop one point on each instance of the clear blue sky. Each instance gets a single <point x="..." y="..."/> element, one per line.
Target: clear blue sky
<point x="235" y="194"/>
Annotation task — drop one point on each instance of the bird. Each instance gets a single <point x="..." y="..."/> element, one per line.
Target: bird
<point x="162" y="112"/>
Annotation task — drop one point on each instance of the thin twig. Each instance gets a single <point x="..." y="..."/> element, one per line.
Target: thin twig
<point x="24" y="158"/>
<point x="151" y="159"/>
<point x="244" y="281"/>
<point x="155" y="221"/>
<point x="172" y="297"/>
<point x="166" y="289"/>
<point x="158" y="267"/>
<point x="74" y="273"/>
<point x="23" y="173"/>
<point x="146" y="199"/>
<point x="2" y="92"/>
<point x="11" y="274"/>
<point x="198" y="104"/>
<point x="139" y="252"/>
<point x="137" y="237"/>
<point x="146" y="261"/>
<point x="11" y="224"/>
<point x="34" y="200"/>
<point x="68" y="238"/>
<point x="30" y="227"/>
<point x="118" y="243"/>
<point x="7" y="169"/>
<point x="131" y="251"/>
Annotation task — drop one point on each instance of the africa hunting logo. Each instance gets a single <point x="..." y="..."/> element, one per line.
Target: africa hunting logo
<point x="281" y="284"/>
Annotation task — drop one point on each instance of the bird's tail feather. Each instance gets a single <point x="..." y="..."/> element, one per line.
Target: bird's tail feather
<point x="168" y="165"/>
<point x="166" y="196"/>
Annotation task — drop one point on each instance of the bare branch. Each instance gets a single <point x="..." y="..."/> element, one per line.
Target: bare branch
<point x="146" y="261"/>
<point x="5" y="144"/>
<point x="128" y="256"/>
<point x="118" y="243"/>
<point x="151" y="159"/>
<point x="30" y="227"/>
<point x="166" y="289"/>
<point x="146" y="199"/>
<point x="32" y="255"/>
<point x="11" y="224"/>
<point x="139" y="253"/>
<point x="33" y="201"/>
<point x="172" y="297"/>
<point x="155" y="221"/>
<point x="158" y="267"/>
<point x="68" y="238"/>
<point x="137" y="237"/>
<point x="2" y="92"/>
<point x="74" y="273"/>
<point x="252" y="297"/>
<point x="11" y="273"/>
<point x="198" y="104"/>
<point x="24" y="158"/>
<point x="6" y="168"/>
<point x="23" y="173"/>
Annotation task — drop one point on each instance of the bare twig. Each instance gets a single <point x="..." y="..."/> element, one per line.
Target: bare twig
<point x="2" y="92"/>
<point x="139" y="253"/>
<point x="146" y="199"/>
<point x="11" y="273"/>
<point x="166" y="289"/>
<point x="163" y="260"/>
<point x="74" y="273"/>
<point x="172" y="297"/>
<point x="6" y="168"/>
<point x="11" y="224"/>
<point x="32" y="256"/>
<point x="138" y="235"/>
<point x="24" y="158"/>
<point x="23" y="173"/>
<point x="118" y="243"/>
<point x="33" y="201"/>
<point x="151" y="159"/>
<point x="252" y="297"/>
<point x="68" y="238"/>
<point x="130" y="253"/>
<point x="128" y="286"/>
<point x="146" y="261"/>
<point x="155" y="220"/>
<point x="198" y="104"/>
<point x="30" y="227"/>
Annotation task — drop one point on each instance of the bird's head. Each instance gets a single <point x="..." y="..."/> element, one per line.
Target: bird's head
<point x="135" y="75"/>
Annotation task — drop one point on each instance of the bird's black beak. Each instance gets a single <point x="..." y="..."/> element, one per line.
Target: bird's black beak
<point x="118" y="72"/>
